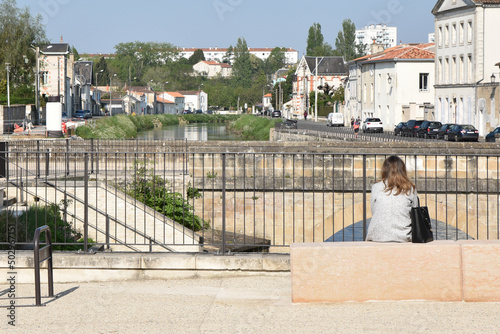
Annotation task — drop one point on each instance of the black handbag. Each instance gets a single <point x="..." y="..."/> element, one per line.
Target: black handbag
<point x="421" y="228"/>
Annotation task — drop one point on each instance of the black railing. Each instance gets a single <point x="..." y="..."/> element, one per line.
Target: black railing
<point x="240" y="201"/>
<point x="41" y="255"/>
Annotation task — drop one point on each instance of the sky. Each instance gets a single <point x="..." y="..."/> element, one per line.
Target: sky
<point x="96" y="26"/>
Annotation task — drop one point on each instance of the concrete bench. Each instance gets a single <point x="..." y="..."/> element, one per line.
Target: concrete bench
<point x="364" y="271"/>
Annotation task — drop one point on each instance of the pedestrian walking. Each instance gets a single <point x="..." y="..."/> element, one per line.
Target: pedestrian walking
<point x="356" y="128"/>
<point x="305" y="115"/>
<point x="352" y="122"/>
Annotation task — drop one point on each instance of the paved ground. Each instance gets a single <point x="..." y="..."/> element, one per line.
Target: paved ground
<point x="259" y="304"/>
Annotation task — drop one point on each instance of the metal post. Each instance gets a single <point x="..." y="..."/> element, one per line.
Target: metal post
<point x="7" y="67"/>
<point x="37" y="158"/>
<point x="223" y="203"/>
<point x="316" y="92"/>
<point x="91" y="155"/>
<point x="364" y="196"/>
<point x="4" y="166"/>
<point x="107" y="232"/>
<point x="46" y="254"/>
<point x="47" y="157"/>
<point x="86" y="205"/>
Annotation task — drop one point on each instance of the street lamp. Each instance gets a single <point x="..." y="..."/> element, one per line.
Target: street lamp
<point x="493" y="78"/>
<point x="7" y="67"/>
<point x="95" y="92"/>
<point x="110" y="94"/>
<point x="199" y="97"/>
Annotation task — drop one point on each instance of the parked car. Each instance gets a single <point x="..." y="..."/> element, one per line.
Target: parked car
<point x="79" y="114"/>
<point x="428" y="129"/>
<point x="410" y="129"/>
<point x="88" y="114"/>
<point x="492" y="136"/>
<point x="397" y="128"/>
<point x="289" y="124"/>
<point x="443" y="131"/>
<point x="276" y="113"/>
<point x="187" y="112"/>
<point x="460" y="132"/>
<point x="210" y="112"/>
<point x="372" y="125"/>
<point x="335" y="119"/>
<point x="199" y="111"/>
<point x="64" y="117"/>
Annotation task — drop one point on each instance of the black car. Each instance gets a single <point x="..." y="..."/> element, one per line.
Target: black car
<point x="410" y="129"/>
<point x="276" y="113"/>
<point x="443" y="131"/>
<point x="492" y="136"/>
<point x="460" y="132"/>
<point x="428" y="129"/>
<point x="397" y="129"/>
<point x="199" y="111"/>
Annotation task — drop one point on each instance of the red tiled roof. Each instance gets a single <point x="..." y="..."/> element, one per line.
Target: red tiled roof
<point x="268" y="95"/>
<point x="175" y="94"/>
<point x="405" y="51"/>
<point x="162" y="100"/>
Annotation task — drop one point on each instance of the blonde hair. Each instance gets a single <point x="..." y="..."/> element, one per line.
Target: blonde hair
<point x="395" y="177"/>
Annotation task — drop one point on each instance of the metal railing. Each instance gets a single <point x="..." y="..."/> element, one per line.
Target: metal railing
<point x="150" y="201"/>
<point x="41" y="255"/>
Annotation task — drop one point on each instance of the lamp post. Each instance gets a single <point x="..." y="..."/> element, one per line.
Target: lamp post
<point x="95" y="92"/>
<point x="199" y="97"/>
<point x="110" y="94"/>
<point x="7" y="67"/>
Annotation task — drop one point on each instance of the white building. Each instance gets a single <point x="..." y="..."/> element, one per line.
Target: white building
<point x="467" y="49"/>
<point x="377" y="34"/>
<point x="195" y="100"/>
<point x="212" y="69"/>
<point x="330" y="70"/>
<point x="218" y="54"/>
<point x="395" y="85"/>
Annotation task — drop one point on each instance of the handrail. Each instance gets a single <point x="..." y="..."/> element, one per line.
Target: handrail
<point x="41" y="255"/>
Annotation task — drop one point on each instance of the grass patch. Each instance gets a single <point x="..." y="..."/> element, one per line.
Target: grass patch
<point x="127" y="127"/>
<point x="251" y="127"/>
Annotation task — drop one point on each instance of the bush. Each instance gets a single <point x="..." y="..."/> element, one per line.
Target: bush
<point x="37" y="216"/>
<point x="156" y="193"/>
<point x="251" y="127"/>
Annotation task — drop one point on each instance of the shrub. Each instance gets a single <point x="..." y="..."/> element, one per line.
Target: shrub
<point x="156" y="193"/>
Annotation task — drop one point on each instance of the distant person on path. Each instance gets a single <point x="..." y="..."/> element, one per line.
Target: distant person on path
<point x="352" y="121"/>
<point x="391" y="201"/>
<point x="356" y="128"/>
<point x="305" y="115"/>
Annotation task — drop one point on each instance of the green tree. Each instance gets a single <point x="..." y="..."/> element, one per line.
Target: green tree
<point x="229" y="55"/>
<point x="275" y="61"/>
<point x="346" y="42"/>
<point x="197" y="56"/>
<point x="242" y="67"/>
<point x="102" y="77"/>
<point x="316" y="46"/>
<point x="20" y="32"/>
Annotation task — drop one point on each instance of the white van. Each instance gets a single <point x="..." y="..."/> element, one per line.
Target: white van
<point x="335" y="119"/>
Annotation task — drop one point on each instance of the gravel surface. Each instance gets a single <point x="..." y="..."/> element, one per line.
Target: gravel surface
<point x="252" y="304"/>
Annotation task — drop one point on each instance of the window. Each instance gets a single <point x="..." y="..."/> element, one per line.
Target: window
<point x="364" y="93"/>
<point x="454" y="34"/>
<point x="469" y="68"/>
<point x="461" y="70"/>
<point x="440" y="71"/>
<point x="469" y="32"/>
<point x="454" y="70"/>
<point x="371" y="93"/>
<point x="440" y="36"/>
<point x="424" y="82"/>
<point x="446" y="35"/>
<point x="461" y="33"/>
<point x="44" y="78"/>
<point x="446" y="78"/>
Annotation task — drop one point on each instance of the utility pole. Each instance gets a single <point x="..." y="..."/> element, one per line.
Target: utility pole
<point x="316" y="92"/>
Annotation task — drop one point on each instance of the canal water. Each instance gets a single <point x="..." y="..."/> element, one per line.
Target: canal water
<point x="197" y="131"/>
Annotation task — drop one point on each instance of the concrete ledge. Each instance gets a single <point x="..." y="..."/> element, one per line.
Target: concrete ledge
<point x="102" y="267"/>
<point x="363" y="271"/>
<point x="481" y="270"/>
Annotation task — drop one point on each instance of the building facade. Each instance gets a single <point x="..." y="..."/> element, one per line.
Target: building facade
<point x="377" y="34"/>
<point x="219" y="54"/>
<point x="330" y="70"/>
<point x="467" y="51"/>
<point x="212" y="69"/>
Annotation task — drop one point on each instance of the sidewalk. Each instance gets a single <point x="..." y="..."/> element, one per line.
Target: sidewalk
<point x="251" y="304"/>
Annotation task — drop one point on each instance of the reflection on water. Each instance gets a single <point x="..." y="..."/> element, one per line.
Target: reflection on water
<point x="201" y="132"/>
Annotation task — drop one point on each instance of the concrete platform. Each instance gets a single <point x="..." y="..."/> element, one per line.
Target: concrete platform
<point x="259" y="304"/>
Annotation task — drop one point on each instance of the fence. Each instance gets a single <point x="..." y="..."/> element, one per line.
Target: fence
<point x="230" y="201"/>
